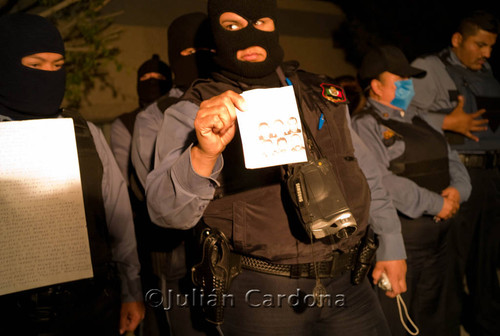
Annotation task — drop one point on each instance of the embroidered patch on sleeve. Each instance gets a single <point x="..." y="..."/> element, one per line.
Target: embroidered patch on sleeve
<point x="333" y="93"/>
<point x="388" y="137"/>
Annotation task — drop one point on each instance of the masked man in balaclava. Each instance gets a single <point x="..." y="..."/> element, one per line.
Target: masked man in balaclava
<point x="246" y="218"/>
<point x="32" y="87"/>
<point x="190" y="50"/>
<point x="154" y="79"/>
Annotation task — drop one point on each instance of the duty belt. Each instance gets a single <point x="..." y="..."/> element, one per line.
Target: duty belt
<point x="340" y="263"/>
<point x="480" y="160"/>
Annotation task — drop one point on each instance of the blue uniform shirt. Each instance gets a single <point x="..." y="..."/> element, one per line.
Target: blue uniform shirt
<point x="432" y="94"/>
<point x="409" y="198"/>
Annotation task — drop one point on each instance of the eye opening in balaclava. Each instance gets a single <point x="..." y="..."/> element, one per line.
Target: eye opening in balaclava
<point x="229" y="42"/>
<point x="228" y="19"/>
<point x="151" y="89"/>
<point x="27" y="93"/>
<point x="47" y="61"/>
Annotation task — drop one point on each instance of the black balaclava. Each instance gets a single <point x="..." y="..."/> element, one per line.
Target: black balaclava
<point x="151" y="89"/>
<point x="229" y="42"/>
<point x="190" y="31"/>
<point x="27" y="93"/>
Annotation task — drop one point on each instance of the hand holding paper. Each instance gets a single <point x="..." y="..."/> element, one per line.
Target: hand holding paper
<point x="215" y="126"/>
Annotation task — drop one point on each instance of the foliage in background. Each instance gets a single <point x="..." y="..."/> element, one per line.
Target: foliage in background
<point x="87" y="36"/>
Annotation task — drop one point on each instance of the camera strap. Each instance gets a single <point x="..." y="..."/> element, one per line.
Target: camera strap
<point x="312" y="149"/>
<point x="402" y="306"/>
<point x="385" y="284"/>
<point x="311" y="145"/>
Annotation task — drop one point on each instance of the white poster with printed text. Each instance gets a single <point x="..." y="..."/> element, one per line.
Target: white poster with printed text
<point x="43" y="231"/>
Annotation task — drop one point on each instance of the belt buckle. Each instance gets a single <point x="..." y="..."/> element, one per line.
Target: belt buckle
<point x="475" y="160"/>
<point x="492" y="159"/>
<point x="295" y="271"/>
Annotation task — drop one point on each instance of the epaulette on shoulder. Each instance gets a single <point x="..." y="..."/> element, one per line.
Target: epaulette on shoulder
<point x="73" y="113"/>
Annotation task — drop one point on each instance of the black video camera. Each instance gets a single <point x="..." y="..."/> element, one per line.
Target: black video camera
<point x="318" y="199"/>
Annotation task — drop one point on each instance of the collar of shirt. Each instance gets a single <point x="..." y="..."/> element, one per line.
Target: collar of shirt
<point x="387" y="112"/>
<point x="454" y="60"/>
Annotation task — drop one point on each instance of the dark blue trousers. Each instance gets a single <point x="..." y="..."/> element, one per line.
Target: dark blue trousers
<point x="274" y="305"/>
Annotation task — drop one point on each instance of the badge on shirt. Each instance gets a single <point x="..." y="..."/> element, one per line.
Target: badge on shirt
<point x="389" y="137"/>
<point x="333" y="93"/>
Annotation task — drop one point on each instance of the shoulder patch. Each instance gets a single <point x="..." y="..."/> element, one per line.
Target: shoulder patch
<point x="388" y="137"/>
<point x="333" y="93"/>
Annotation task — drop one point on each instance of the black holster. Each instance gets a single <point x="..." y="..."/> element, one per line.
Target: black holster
<point x="366" y="255"/>
<point x="214" y="274"/>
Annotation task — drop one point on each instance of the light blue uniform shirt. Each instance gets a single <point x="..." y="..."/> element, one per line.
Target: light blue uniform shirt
<point x="432" y="94"/>
<point x="409" y="198"/>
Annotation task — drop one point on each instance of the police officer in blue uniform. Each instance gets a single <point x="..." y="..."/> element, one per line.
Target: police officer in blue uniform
<point x="199" y="178"/>
<point x="426" y="181"/>
<point x="461" y="94"/>
<point x="111" y="302"/>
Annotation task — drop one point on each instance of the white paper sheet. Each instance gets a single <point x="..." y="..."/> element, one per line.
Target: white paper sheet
<point x="43" y="233"/>
<point x="270" y="128"/>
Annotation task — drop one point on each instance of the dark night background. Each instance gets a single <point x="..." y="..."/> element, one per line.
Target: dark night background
<point x="416" y="26"/>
